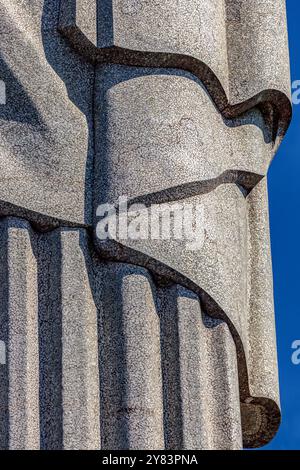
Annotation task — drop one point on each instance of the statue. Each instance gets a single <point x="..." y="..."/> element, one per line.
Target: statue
<point x="122" y="116"/>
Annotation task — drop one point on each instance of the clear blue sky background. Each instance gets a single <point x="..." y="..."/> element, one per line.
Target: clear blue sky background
<point x="284" y="185"/>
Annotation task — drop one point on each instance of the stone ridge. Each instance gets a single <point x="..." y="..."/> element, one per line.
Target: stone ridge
<point x="66" y="312"/>
<point x="59" y="119"/>
<point x="228" y="287"/>
<point x="198" y="97"/>
<point x="103" y="354"/>
<point x="229" y="45"/>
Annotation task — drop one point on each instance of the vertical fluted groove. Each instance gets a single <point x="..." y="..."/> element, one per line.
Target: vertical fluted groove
<point x="131" y="377"/>
<point x="112" y="366"/>
<point x="183" y="356"/>
<point x="100" y="357"/>
<point x="201" y="395"/>
<point x="194" y="378"/>
<point x="261" y="302"/>
<point x="23" y="402"/>
<point x="223" y="408"/>
<point x="80" y="377"/>
<point x="167" y="309"/>
<point x="142" y="339"/>
<point x="49" y="258"/>
<point x="4" y="317"/>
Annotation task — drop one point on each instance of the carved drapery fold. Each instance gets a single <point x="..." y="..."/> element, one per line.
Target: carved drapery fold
<point x="161" y="102"/>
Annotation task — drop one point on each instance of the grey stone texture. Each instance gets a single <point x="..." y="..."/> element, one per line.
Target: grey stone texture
<point x="238" y="49"/>
<point x="163" y="122"/>
<point x="46" y="126"/>
<point x="115" y="361"/>
<point x="138" y="344"/>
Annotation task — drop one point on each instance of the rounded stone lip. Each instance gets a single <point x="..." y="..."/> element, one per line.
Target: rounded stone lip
<point x="261" y="419"/>
<point x="274" y="104"/>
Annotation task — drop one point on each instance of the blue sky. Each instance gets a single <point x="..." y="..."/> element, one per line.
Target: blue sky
<point x="284" y="199"/>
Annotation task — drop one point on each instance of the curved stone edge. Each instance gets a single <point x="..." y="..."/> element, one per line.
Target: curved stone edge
<point x="79" y="302"/>
<point x="44" y="223"/>
<point x="261" y="410"/>
<point x="274" y="104"/>
<point x="40" y="222"/>
<point x="261" y="416"/>
<point x="245" y="180"/>
<point x="254" y="409"/>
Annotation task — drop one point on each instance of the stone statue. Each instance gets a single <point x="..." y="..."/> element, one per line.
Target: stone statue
<point x="119" y="336"/>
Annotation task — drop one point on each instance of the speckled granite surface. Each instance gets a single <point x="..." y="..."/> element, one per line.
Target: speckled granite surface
<point x="138" y="344"/>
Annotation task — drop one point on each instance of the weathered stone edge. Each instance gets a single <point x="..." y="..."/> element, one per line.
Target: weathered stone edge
<point x="274" y="104"/>
<point x="266" y="409"/>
